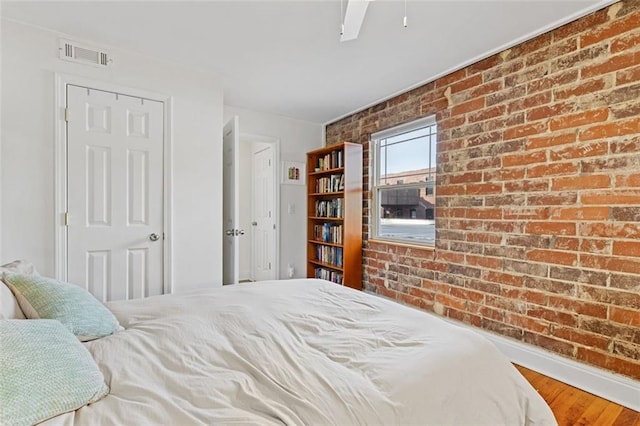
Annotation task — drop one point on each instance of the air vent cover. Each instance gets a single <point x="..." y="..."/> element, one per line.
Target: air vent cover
<point x="83" y="54"/>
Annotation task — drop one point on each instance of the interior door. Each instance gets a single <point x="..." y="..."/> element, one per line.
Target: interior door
<point x="231" y="202"/>
<point x="263" y="265"/>
<point x="114" y="194"/>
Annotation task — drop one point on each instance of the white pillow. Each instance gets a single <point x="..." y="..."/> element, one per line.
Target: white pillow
<point x="9" y="306"/>
<point x="46" y="371"/>
<point x="74" y="307"/>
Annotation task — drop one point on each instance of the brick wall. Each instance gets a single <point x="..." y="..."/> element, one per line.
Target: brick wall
<point x="538" y="193"/>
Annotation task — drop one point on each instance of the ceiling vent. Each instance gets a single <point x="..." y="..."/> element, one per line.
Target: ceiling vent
<point x="83" y="54"/>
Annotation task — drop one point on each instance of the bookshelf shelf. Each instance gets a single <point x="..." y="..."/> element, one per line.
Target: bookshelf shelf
<point x="334" y="221"/>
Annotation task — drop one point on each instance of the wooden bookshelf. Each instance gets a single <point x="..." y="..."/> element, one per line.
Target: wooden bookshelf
<point x="334" y="214"/>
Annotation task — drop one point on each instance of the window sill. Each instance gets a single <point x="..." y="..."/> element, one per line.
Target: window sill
<point x="402" y="244"/>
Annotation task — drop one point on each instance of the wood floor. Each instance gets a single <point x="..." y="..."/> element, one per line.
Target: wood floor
<point x="572" y="406"/>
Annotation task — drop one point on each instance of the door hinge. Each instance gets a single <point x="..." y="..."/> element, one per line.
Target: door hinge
<point x="66" y="115"/>
<point x="66" y="218"/>
<point x="274" y="226"/>
<point x="269" y="265"/>
<point x="269" y="163"/>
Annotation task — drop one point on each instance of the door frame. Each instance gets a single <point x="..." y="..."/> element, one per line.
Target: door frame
<point x="60" y="169"/>
<point x="275" y="143"/>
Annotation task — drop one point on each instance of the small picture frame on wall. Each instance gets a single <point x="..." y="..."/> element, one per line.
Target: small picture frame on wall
<point x="293" y="173"/>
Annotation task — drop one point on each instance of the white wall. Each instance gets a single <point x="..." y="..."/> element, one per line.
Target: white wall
<point x="29" y="61"/>
<point x="296" y="138"/>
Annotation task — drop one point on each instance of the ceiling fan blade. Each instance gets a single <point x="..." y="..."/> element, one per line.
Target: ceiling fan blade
<point x="353" y="18"/>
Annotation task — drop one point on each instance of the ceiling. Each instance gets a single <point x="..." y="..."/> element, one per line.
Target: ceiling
<point x="285" y="57"/>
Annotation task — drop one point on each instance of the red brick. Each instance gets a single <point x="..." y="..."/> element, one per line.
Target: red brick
<point x="484" y="262"/>
<point x="581" y="182"/>
<point x="524" y="159"/>
<point x="566" y="243"/>
<point x="610" y="230"/>
<point x="583" y="88"/>
<point x="630" y="75"/>
<point x="474" y="80"/>
<point x="552" y="199"/>
<point x="580" y="213"/>
<point x="484" y="188"/>
<point x="527" y="186"/>
<point x="614" y="63"/>
<point x="532" y="324"/>
<point x="591" y="245"/>
<point x="551" y="228"/>
<point x="451" y="78"/>
<point x="628" y="180"/>
<point x="580" y="307"/>
<point x="468" y="106"/>
<point x="547" y="111"/>
<point x="547" y="141"/>
<point x="451" y="190"/>
<point x="529" y="102"/>
<point x="612" y="197"/>
<point x="502" y="175"/>
<point x="525" y="130"/>
<point x="626" y="146"/>
<point x="483" y="238"/>
<point x="629" y="317"/>
<point x="503" y="278"/>
<point x="549" y="343"/>
<point x="553" y="256"/>
<point x="526" y="213"/>
<point x="487" y="113"/>
<point x="451" y="302"/>
<point x="625" y="42"/>
<point x="615" y="28"/>
<point x="610" y="263"/>
<point x="619" y="128"/>
<point x="579" y="151"/>
<point x="553" y="169"/>
<point x="590" y="21"/>
<point x="579" y="119"/>
<point x="626" y="248"/>
<point x="582" y="337"/>
<point x="557" y="79"/>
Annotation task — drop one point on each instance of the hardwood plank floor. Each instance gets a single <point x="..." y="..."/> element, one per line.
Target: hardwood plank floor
<point x="573" y="406"/>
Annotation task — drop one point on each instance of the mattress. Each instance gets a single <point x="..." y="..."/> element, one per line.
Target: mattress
<point x="300" y="352"/>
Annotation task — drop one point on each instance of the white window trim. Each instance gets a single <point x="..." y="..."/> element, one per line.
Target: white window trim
<point x="374" y="214"/>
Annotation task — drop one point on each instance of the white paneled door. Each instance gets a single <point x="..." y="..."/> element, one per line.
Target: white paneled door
<point x="231" y="202"/>
<point x="114" y="194"/>
<point x="263" y="240"/>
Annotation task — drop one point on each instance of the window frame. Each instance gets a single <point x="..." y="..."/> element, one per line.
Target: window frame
<point x="374" y="178"/>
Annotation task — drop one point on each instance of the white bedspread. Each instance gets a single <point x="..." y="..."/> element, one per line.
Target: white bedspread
<point x="300" y="352"/>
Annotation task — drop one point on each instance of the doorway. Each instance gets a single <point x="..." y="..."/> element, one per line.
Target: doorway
<point x="260" y="200"/>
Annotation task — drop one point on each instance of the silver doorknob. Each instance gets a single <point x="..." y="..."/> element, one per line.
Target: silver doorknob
<point x="241" y="232"/>
<point x="154" y="237"/>
<point x="230" y="232"/>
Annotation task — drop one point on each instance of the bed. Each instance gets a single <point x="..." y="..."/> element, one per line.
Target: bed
<point x="299" y="352"/>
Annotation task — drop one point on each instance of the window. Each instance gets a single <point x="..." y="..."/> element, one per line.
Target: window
<point x="403" y="183"/>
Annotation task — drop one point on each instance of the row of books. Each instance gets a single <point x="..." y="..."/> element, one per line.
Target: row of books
<point x="328" y="232"/>
<point x="333" y="183"/>
<point x="330" y="255"/>
<point x="330" y="208"/>
<point x="332" y="160"/>
<point x="328" y="275"/>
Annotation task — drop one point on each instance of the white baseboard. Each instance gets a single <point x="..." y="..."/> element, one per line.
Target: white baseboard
<point x="613" y="387"/>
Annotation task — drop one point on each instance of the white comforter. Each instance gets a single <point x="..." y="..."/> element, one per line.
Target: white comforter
<point x="300" y="352"/>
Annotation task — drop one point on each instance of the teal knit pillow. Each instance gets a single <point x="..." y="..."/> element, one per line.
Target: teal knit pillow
<point x="46" y="371"/>
<point x="74" y="307"/>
